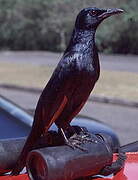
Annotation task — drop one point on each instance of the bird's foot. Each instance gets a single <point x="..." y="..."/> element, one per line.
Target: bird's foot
<point x="84" y="136"/>
<point x="84" y="139"/>
<point x="75" y="142"/>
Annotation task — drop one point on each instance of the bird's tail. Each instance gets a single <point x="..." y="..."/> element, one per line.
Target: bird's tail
<point x="31" y="141"/>
<point x="29" y="145"/>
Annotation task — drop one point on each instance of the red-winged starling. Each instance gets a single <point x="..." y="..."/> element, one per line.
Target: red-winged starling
<point x="72" y="81"/>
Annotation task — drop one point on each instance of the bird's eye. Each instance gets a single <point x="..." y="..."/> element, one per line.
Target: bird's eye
<point x="93" y="13"/>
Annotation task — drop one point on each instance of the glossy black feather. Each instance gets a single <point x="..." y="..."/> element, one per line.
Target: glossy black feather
<point x="73" y="80"/>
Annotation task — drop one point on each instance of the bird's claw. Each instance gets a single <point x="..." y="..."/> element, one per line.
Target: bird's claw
<point x="87" y="139"/>
<point x="77" y="139"/>
<point x="75" y="144"/>
<point x="83" y="137"/>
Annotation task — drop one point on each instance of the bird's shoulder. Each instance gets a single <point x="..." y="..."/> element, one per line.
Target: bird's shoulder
<point x="64" y="70"/>
<point x="62" y="75"/>
<point x="68" y="63"/>
<point x="70" y="59"/>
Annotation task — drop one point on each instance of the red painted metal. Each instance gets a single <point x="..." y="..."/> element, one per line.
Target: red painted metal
<point x="130" y="171"/>
<point x="19" y="177"/>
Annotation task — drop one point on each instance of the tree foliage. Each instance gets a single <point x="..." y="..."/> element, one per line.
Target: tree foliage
<point x="47" y="25"/>
<point x="120" y="34"/>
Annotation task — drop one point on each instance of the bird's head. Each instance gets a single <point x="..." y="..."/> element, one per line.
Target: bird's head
<point x="90" y="18"/>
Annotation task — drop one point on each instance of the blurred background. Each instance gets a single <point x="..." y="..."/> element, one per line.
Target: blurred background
<point x="47" y="25"/>
<point x="33" y="35"/>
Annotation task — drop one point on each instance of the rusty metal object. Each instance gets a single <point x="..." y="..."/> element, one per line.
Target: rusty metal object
<point x="63" y="162"/>
<point x="57" y="159"/>
<point x="10" y="149"/>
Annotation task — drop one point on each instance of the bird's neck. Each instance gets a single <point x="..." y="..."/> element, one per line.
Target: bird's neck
<point x="82" y="41"/>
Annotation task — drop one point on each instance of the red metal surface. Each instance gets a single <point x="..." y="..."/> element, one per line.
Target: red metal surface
<point x="130" y="171"/>
<point x="20" y="177"/>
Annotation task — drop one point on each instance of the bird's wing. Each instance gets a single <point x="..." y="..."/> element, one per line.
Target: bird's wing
<point x="55" y="95"/>
<point x="51" y="103"/>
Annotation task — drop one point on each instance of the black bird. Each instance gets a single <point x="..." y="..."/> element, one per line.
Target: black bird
<point x="72" y="81"/>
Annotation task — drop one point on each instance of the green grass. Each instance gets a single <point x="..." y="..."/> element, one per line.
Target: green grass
<point x="111" y="84"/>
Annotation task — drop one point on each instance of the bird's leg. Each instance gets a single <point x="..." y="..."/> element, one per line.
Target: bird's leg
<point x="72" y="141"/>
<point x="63" y="135"/>
<point x="66" y="141"/>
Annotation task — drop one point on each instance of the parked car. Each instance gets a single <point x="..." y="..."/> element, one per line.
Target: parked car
<point x="16" y="122"/>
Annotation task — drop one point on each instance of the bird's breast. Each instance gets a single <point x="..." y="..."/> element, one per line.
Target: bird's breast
<point x="86" y="71"/>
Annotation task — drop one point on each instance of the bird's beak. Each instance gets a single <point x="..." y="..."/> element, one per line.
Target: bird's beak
<point x="109" y="12"/>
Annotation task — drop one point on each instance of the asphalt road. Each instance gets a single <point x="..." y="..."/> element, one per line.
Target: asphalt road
<point x="108" y="62"/>
<point x="123" y="120"/>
